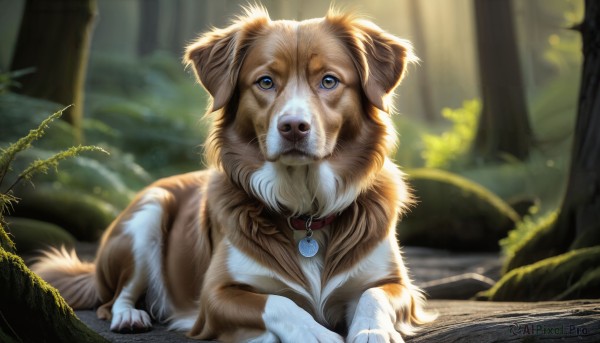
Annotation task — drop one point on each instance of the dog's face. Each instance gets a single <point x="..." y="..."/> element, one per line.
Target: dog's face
<point x="299" y="93"/>
<point x="298" y="87"/>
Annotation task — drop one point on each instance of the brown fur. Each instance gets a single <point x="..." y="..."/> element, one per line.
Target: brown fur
<point x="202" y="208"/>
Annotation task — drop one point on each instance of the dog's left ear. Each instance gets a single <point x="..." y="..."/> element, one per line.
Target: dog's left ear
<point x="217" y="56"/>
<point x="379" y="57"/>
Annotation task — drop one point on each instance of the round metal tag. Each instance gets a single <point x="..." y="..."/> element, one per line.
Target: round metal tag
<point x="308" y="247"/>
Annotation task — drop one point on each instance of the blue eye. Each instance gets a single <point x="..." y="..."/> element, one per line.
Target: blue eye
<point x="265" y="83"/>
<point x="329" y="82"/>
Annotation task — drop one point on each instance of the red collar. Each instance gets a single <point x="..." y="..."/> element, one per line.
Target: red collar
<point x="305" y="222"/>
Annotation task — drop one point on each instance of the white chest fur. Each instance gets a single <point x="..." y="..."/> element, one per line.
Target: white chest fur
<point x="373" y="267"/>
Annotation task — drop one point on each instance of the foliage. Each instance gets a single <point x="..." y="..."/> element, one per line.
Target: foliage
<point x="26" y="299"/>
<point x="564" y="48"/>
<point x="57" y="205"/>
<point x="573" y="275"/>
<point x="7" y="79"/>
<point x="524" y="231"/>
<point x="131" y="106"/>
<point x="7" y="156"/>
<point x="454" y="213"/>
<point x="541" y="178"/>
<point x="32" y="235"/>
<point x="134" y="104"/>
<point x="409" y="151"/>
<point x="24" y="295"/>
<point x="448" y="150"/>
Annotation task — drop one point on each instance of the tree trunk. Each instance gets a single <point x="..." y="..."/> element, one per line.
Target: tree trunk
<point x="580" y="211"/>
<point x="33" y="311"/>
<point x="504" y="127"/>
<point x="414" y="9"/>
<point x="54" y="40"/>
<point x="578" y="224"/>
<point x="148" y="34"/>
<point x="177" y="41"/>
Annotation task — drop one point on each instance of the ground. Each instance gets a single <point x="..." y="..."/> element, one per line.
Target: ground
<point x="459" y="321"/>
<point x="448" y="275"/>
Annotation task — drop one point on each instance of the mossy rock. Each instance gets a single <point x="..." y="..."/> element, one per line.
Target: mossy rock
<point x="141" y="126"/>
<point x="34" y="311"/>
<point x="81" y="214"/>
<point x="573" y="275"/>
<point x="97" y="174"/>
<point x="20" y="113"/>
<point x="538" y="244"/>
<point x="454" y="213"/>
<point x="30" y="235"/>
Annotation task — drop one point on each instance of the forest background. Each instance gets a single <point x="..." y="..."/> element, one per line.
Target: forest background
<point x="489" y="126"/>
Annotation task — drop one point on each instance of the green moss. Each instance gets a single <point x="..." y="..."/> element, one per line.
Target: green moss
<point x="527" y="232"/>
<point x="572" y="275"/>
<point x="27" y="299"/>
<point x="587" y="287"/>
<point x="30" y="235"/>
<point x="454" y="213"/>
<point x="83" y="215"/>
<point x="589" y="236"/>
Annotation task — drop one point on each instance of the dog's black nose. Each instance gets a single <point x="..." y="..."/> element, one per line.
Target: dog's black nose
<point x="293" y="128"/>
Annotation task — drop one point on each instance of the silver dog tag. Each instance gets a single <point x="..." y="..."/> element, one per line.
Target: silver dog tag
<point x="308" y="247"/>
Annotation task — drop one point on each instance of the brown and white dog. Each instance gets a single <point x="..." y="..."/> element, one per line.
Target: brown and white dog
<point x="299" y="152"/>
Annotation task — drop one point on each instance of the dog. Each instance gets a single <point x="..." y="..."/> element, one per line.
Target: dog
<point x="290" y="234"/>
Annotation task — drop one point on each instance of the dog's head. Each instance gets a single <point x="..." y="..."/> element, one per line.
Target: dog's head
<point x="299" y="93"/>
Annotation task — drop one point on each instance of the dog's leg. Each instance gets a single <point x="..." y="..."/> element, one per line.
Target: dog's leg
<point x="290" y="323"/>
<point x="144" y="228"/>
<point x="383" y="312"/>
<point x="227" y="304"/>
<point x="281" y="320"/>
<point x="125" y="317"/>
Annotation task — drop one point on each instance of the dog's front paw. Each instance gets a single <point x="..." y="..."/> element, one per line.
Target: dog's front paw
<point x="130" y="320"/>
<point x="370" y="330"/>
<point x="291" y="324"/>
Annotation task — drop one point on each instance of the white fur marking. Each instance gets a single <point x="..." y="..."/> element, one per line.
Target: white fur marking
<point x="302" y="189"/>
<point x="244" y="269"/>
<point x="297" y="106"/>
<point x="183" y="321"/>
<point x="145" y="230"/>
<point x="267" y="337"/>
<point x="124" y="314"/>
<point x="374" y="319"/>
<point x="292" y="324"/>
<point x="373" y="267"/>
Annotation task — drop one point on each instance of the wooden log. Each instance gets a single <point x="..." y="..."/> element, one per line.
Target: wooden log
<point x="458" y="321"/>
<point x="481" y="322"/>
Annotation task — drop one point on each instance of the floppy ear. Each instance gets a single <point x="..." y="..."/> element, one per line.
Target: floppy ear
<point x="379" y="57"/>
<point x="217" y="56"/>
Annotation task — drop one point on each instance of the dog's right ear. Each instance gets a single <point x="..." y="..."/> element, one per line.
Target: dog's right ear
<point x="217" y="56"/>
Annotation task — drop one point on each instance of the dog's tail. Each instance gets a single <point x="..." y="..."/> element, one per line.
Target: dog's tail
<point x="75" y="280"/>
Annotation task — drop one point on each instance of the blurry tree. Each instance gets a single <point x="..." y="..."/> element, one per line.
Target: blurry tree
<point x="415" y="11"/>
<point x="560" y="259"/>
<point x="504" y="127"/>
<point x="580" y="212"/>
<point x="177" y="36"/>
<point x="148" y="32"/>
<point x="578" y="224"/>
<point x="54" y="40"/>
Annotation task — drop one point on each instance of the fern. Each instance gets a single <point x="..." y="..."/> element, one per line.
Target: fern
<point x="8" y="155"/>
